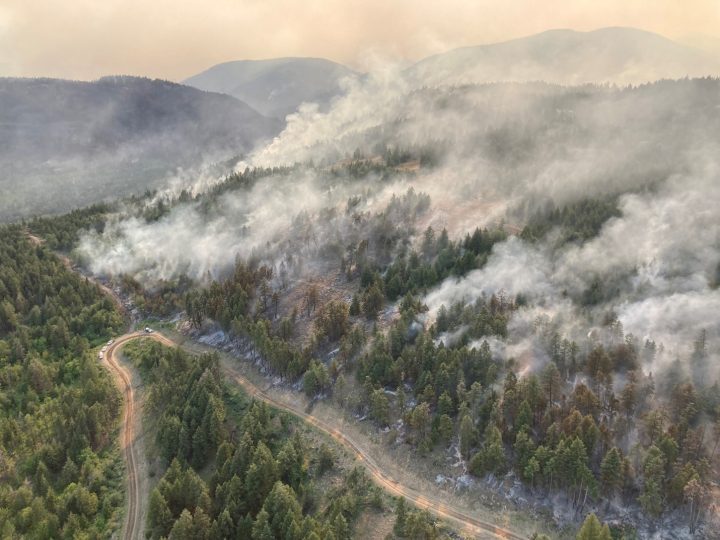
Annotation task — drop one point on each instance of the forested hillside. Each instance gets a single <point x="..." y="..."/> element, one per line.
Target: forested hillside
<point x="235" y="467"/>
<point x="525" y="307"/>
<point x="61" y="471"/>
<point x="563" y="429"/>
<point x="64" y="144"/>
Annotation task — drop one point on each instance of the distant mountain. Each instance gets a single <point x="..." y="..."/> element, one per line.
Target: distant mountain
<point x="275" y="87"/>
<point x="66" y="143"/>
<point x="615" y="55"/>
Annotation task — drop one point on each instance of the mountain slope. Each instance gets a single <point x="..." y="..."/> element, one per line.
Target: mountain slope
<point x="66" y="143"/>
<point x="275" y="87"/>
<point x="616" y="55"/>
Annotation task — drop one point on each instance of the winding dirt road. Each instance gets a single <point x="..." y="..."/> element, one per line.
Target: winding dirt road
<point x="136" y="497"/>
<point x="133" y="526"/>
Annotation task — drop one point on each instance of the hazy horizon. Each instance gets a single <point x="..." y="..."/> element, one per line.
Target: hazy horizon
<point x="164" y="41"/>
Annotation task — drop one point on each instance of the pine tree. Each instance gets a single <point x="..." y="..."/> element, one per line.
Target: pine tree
<point x="468" y="435"/>
<point x="551" y="381"/>
<point x="444" y="429"/>
<point x="283" y="510"/>
<point x="183" y="528"/>
<point x="261" y="528"/>
<point x="400" y="517"/>
<point x="592" y="530"/>
<point x="159" y="519"/>
<point x="531" y="470"/>
<point x="380" y="407"/>
<point x="524" y="448"/>
<point x="491" y="458"/>
<point x="355" y="306"/>
<point x="695" y="494"/>
<point x="445" y="404"/>
<point x="611" y="472"/>
<point x="651" y="497"/>
<point x="261" y="475"/>
<point x="524" y="417"/>
<point x="340" y="527"/>
<point x="201" y="525"/>
<point x="223" y="526"/>
<point x="373" y="301"/>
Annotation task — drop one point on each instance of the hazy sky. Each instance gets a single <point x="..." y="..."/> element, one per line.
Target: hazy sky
<point x="173" y="39"/>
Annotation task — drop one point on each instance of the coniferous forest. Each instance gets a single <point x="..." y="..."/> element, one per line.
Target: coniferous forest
<point x="262" y="476"/>
<point x="62" y="476"/>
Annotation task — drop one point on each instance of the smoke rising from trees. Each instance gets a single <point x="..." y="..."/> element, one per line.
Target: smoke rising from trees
<point x="518" y="149"/>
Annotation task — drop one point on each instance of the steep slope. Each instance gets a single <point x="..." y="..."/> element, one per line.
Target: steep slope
<point x="616" y="55"/>
<point x="66" y="143"/>
<point x="275" y="87"/>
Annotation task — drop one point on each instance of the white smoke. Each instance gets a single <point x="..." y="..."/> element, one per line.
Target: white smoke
<point x="503" y="150"/>
<point x="664" y="249"/>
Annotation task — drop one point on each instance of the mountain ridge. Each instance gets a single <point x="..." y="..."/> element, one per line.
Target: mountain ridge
<point x="621" y="55"/>
<point x="277" y="86"/>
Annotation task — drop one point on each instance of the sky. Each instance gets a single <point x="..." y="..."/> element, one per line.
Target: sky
<point x="174" y="39"/>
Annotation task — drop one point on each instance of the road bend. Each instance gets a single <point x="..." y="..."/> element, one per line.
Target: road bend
<point x="133" y="528"/>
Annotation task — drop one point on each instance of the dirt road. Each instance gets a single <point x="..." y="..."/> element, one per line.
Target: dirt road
<point x="136" y="495"/>
<point x="468" y="524"/>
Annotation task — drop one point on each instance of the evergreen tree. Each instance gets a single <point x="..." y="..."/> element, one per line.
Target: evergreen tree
<point x="159" y="519"/>
<point x="611" y="472"/>
<point x="400" y="517"/>
<point x="261" y="528"/>
<point x="592" y="530"/>
<point x="468" y="435"/>
<point x="261" y="475"/>
<point x="183" y="528"/>
<point x="380" y="407"/>
<point x="651" y="497"/>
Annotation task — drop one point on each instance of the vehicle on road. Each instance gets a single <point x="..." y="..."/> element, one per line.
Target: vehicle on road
<point x="100" y="355"/>
<point x="148" y="330"/>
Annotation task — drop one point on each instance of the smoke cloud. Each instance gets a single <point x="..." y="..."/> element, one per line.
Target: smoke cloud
<point x="499" y="153"/>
